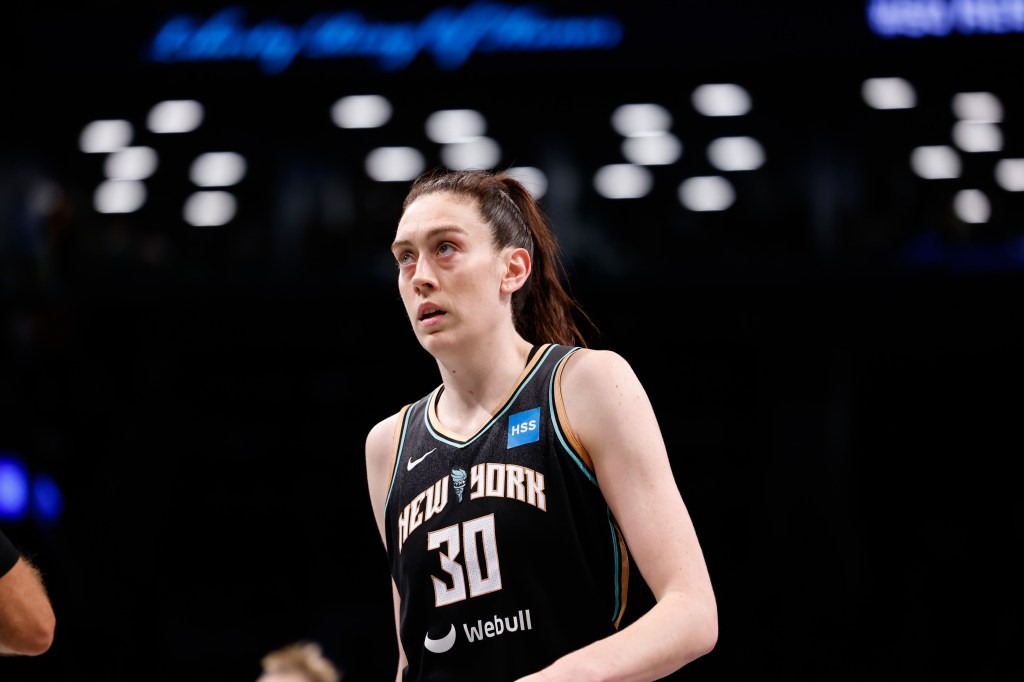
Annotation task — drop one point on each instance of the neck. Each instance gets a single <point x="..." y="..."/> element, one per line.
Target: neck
<point x="476" y="382"/>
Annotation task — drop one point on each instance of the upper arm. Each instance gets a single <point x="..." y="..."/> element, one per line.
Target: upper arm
<point x="27" y="620"/>
<point x="397" y="601"/>
<point x="611" y="414"/>
<point x="380" y="453"/>
<point x="381" y="448"/>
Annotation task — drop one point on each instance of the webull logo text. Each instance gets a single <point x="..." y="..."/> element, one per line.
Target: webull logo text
<point x="498" y="626"/>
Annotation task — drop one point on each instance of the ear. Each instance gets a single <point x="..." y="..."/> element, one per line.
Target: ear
<point x="517" y="270"/>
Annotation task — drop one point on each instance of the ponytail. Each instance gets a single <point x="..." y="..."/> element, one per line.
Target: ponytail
<point x="543" y="310"/>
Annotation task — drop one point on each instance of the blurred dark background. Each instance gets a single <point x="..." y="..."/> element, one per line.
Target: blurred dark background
<point x="835" y="356"/>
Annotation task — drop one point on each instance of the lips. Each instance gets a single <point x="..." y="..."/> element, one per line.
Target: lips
<point x="428" y="311"/>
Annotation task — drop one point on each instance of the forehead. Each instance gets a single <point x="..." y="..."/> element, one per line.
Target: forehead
<point x="431" y="212"/>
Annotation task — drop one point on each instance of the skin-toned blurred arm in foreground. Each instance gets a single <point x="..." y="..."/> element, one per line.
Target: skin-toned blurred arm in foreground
<point x="27" y="621"/>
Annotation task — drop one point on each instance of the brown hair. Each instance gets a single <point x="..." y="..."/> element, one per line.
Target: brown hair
<point x="543" y="310"/>
<point x="305" y="658"/>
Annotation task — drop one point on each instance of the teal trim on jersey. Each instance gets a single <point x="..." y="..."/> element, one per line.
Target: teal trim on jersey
<point x="558" y="427"/>
<point x="426" y="419"/>
<point x="616" y="555"/>
<point x="617" y="567"/>
<point x="498" y="416"/>
<point x="398" y="454"/>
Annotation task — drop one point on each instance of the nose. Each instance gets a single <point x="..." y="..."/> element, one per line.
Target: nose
<point x="423" y="277"/>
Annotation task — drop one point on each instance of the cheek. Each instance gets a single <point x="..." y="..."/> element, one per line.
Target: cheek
<point x="406" y="293"/>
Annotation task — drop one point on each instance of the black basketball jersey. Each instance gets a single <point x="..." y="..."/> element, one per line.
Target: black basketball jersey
<point x="503" y="549"/>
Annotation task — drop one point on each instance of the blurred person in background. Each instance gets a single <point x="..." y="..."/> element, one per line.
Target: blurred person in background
<point x="27" y="621"/>
<point x="298" y="662"/>
<point x="527" y="505"/>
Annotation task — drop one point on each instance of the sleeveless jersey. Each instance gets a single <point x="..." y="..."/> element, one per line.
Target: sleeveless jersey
<point x="504" y="552"/>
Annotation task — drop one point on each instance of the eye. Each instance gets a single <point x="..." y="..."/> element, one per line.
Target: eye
<point x="445" y="248"/>
<point x="404" y="258"/>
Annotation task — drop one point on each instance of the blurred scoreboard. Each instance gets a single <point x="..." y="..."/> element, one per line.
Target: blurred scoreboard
<point x="836" y="176"/>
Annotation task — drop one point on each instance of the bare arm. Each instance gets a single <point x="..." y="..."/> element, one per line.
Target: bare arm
<point x="27" y="621"/>
<point x="379" y="451"/>
<point x="610" y="411"/>
<point x="402" y="661"/>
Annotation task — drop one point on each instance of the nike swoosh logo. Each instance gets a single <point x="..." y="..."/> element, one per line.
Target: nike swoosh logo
<point x="414" y="462"/>
<point x="439" y="646"/>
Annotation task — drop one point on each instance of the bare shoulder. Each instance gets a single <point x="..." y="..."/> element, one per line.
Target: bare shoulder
<point x="380" y="453"/>
<point x="590" y="369"/>
<point x="381" y="436"/>
<point x="606" y="405"/>
<point x="380" y="448"/>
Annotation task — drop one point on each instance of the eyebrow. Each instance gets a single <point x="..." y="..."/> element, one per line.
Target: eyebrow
<point x="430" y="234"/>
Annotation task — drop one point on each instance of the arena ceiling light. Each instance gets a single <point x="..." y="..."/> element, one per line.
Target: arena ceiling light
<point x="1010" y="174"/>
<point x="654" y="149"/>
<point x="532" y="178"/>
<point x="218" y="169"/>
<point x="890" y="92"/>
<point x="105" y="136"/>
<point x="972" y="206"/>
<point x="361" y="111"/>
<point x="479" y="153"/>
<point x="623" y="181"/>
<point x="706" y="193"/>
<point x="119" y="196"/>
<point x="394" y="164"/>
<point x="739" y="153"/>
<point x="175" y="116"/>
<point x="131" y="163"/>
<point x="977" y="136"/>
<point x="977" y="106"/>
<point x="631" y="120"/>
<point x="935" y="162"/>
<point x="209" y="208"/>
<point x="449" y="126"/>
<point x="721" y="99"/>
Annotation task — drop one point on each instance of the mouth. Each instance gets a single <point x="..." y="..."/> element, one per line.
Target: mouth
<point x="430" y="312"/>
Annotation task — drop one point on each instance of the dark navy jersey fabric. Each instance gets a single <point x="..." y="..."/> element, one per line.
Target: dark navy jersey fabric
<point x="503" y="549"/>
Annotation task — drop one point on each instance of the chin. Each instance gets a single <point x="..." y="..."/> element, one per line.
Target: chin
<point x="433" y="341"/>
<point x="426" y="339"/>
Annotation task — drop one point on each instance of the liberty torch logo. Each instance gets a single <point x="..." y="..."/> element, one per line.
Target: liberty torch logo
<point x="459" y="482"/>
